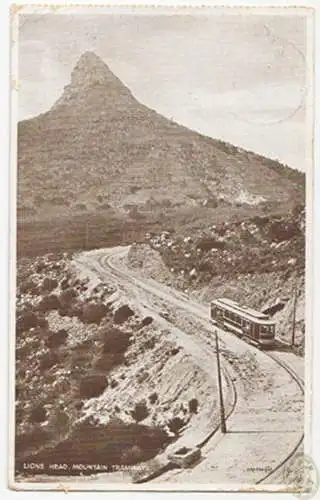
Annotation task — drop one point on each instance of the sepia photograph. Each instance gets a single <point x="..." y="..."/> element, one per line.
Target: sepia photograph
<point x="162" y="173"/>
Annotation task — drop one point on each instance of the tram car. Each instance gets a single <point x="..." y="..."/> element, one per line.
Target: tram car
<point x="256" y="326"/>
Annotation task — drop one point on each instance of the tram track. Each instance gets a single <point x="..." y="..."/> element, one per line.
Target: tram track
<point x="300" y="384"/>
<point x="107" y="261"/>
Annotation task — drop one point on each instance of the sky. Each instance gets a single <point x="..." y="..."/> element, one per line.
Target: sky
<point x="240" y="78"/>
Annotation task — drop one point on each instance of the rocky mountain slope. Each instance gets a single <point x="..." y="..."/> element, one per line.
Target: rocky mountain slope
<point x="96" y="382"/>
<point x="99" y="148"/>
<point x="258" y="261"/>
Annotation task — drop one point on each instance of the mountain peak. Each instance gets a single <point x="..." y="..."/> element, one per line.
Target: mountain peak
<point x="91" y="69"/>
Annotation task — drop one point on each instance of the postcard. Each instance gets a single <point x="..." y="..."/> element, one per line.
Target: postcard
<point x="162" y="173"/>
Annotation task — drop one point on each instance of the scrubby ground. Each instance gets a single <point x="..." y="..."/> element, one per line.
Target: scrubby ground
<point x="259" y="262"/>
<point x="96" y="382"/>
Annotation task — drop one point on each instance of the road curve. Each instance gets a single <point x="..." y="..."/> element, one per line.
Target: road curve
<point x="259" y="440"/>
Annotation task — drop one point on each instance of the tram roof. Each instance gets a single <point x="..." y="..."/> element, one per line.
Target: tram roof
<point x="234" y="306"/>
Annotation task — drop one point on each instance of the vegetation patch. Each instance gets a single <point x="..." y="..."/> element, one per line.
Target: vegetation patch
<point x="115" y="443"/>
<point x="122" y="314"/>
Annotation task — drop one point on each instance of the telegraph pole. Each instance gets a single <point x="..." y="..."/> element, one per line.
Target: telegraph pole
<point x="222" y="412"/>
<point x="295" y="298"/>
<point x="87" y="235"/>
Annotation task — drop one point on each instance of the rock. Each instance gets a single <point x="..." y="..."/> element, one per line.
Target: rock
<point x="292" y="261"/>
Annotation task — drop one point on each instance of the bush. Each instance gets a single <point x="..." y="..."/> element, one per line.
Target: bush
<point x="48" y="360"/>
<point x="115" y="341"/>
<point x="29" y="286"/>
<point x="193" y="405"/>
<point x="57" y="339"/>
<point x="281" y="231"/>
<point x="153" y="398"/>
<point x="64" y="283"/>
<point x="49" y="284"/>
<point x="67" y="296"/>
<point x="26" y="320"/>
<point x="94" y="313"/>
<point x="140" y="411"/>
<point x="41" y="266"/>
<point x="92" y="386"/>
<point x="108" y="361"/>
<point x="38" y="414"/>
<point x="37" y="437"/>
<point x="174" y="351"/>
<point x="49" y="303"/>
<point x="146" y="321"/>
<point x="150" y="343"/>
<point x="122" y="314"/>
<point x="175" y="424"/>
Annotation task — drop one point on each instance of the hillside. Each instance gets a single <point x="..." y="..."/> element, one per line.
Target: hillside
<point x="97" y="382"/>
<point x="259" y="261"/>
<point x="99" y="150"/>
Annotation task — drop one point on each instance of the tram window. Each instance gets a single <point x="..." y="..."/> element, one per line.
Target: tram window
<point x="266" y="329"/>
<point x="246" y="325"/>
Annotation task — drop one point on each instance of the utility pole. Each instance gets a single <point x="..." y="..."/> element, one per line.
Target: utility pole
<point x="295" y="298"/>
<point x="87" y="236"/>
<point x="222" y="412"/>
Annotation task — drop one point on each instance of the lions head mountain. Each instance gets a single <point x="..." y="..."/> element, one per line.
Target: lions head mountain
<point x="99" y="154"/>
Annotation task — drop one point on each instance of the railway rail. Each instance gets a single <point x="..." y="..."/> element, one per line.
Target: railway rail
<point x="107" y="261"/>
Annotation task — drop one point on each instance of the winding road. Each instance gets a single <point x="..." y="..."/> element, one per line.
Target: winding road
<point x="265" y="402"/>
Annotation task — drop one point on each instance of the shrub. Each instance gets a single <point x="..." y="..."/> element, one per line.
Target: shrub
<point x="150" y="343"/>
<point x="94" y="313"/>
<point x="281" y="231"/>
<point x="92" y="386"/>
<point x="193" y="405"/>
<point x="38" y="414"/>
<point x="146" y="321"/>
<point x="78" y="405"/>
<point x="64" y="283"/>
<point x="153" y="398"/>
<point x="26" y="320"/>
<point x="67" y="296"/>
<point x="175" y="424"/>
<point x="41" y="266"/>
<point x="174" y="351"/>
<point x="49" y="303"/>
<point x="29" y="286"/>
<point x="108" y="361"/>
<point x="49" y="284"/>
<point x="140" y="411"/>
<point x="122" y="314"/>
<point x="37" y="437"/>
<point x="115" y="341"/>
<point x="56" y="339"/>
<point x="113" y="383"/>
<point x="48" y="360"/>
